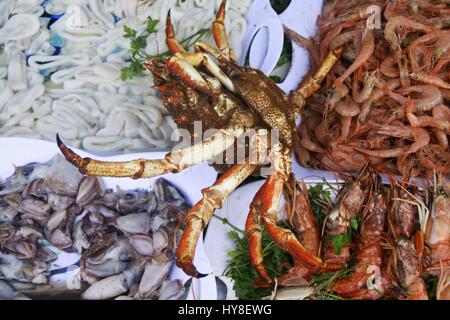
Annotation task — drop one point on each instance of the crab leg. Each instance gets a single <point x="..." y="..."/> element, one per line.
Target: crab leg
<point x="183" y="64"/>
<point x="174" y="161"/>
<point x="284" y="238"/>
<point x="312" y="83"/>
<point x="200" y="214"/>
<point x="253" y="232"/>
<point x="264" y="211"/>
<point x="220" y="34"/>
<point x="173" y="45"/>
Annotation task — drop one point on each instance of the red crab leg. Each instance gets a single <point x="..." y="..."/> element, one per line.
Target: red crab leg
<point x="253" y="231"/>
<point x="200" y="214"/>
<point x="284" y="238"/>
<point x="173" y="45"/>
<point x="301" y="217"/>
<point x="174" y="161"/>
<point x="220" y="34"/>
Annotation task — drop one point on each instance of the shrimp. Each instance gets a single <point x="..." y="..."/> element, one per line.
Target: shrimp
<point x="434" y="158"/>
<point x="437" y="235"/>
<point x="307" y="143"/>
<point x="420" y="136"/>
<point x="430" y="79"/>
<point x="348" y="108"/>
<point x="441" y="138"/>
<point x="323" y="134"/>
<point x="375" y="96"/>
<point x="346" y="123"/>
<point x="389" y="68"/>
<point x="409" y="270"/>
<point x="343" y="39"/>
<point x="302" y="155"/>
<point x="431" y="97"/>
<point x="405" y="23"/>
<point x="369" y="251"/>
<point x="404" y="211"/>
<point x="440" y="65"/>
<point x="349" y="203"/>
<point x="441" y="38"/>
<point x="394" y="41"/>
<point x="342" y="159"/>
<point x="335" y="96"/>
<point x="368" y="47"/>
<point x="325" y="44"/>
<point x="369" y="84"/>
<point x="425" y="121"/>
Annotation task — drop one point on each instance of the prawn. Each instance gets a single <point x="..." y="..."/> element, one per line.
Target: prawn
<point x="370" y="82"/>
<point x="432" y="97"/>
<point x="369" y="251"/>
<point x="430" y="79"/>
<point x="368" y="47"/>
<point x="389" y="68"/>
<point x="349" y="203"/>
<point x="335" y="96"/>
<point x="398" y="22"/>
<point x="425" y="121"/>
<point x="437" y="234"/>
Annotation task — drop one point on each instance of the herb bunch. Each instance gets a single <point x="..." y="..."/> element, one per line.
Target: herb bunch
<point x="138" y="44"/>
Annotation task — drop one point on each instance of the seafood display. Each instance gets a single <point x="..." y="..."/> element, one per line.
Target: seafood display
<point x="65" y="67"/>
<point x="377" y="241"/>
<point x="386" y="99"/>
<point x="209" y="86"/>
<point x="124" y="241"/>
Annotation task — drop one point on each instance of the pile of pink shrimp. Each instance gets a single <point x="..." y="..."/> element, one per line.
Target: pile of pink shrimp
<point x="387" y="99"/>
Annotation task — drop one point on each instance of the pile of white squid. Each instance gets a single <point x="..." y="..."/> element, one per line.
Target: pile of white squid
<point x="60" y="69"/>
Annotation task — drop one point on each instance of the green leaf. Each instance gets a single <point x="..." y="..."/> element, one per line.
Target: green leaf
<point x="151" y="26"/>
<point x="340" y="241"/>
<point x="129" y="32"/>
<point x="320" y="199"/>
<point x="286" y="53"/>
<point x="126" y="73"/>
<point x="354" y="223"/>
<point x="191" y="40"/>
<point x="244" y="276"/>
<point x="279" y="5"/>
<point x="276" y="78"/>
<point x="406" y="42"/>
<point x="431" y="284"/>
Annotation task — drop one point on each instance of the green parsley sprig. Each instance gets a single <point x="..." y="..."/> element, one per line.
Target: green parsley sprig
<point x="339" y="241"/>
<point x="138" y="43"/>
<point x="244" y="276"/>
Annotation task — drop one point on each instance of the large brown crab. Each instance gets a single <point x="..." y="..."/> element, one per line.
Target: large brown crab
<point x="209" y="86"/>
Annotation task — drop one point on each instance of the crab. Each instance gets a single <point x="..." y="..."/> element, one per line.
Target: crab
<point x="208" y="85"/>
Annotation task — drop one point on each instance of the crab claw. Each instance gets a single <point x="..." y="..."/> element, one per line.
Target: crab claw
<point x="220" y="34"/>
<point x="173" y="45"/>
